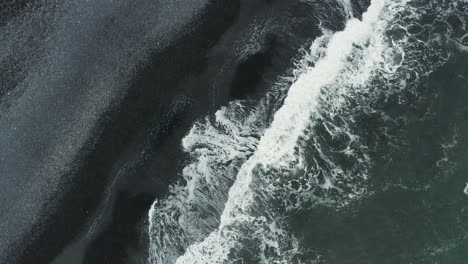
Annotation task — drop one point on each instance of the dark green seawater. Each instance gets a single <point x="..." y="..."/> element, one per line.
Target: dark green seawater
<point x="417" y="211"/>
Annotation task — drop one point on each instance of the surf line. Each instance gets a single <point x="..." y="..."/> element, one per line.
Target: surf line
<point x="277" y="146"/>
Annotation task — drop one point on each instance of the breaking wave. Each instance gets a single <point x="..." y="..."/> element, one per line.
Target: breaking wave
<point x="252" y="169"/>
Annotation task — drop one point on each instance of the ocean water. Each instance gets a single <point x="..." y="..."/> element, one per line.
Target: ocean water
<point x="358" y="155"/>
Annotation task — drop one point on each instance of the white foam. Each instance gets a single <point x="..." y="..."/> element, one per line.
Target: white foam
<point x="333" y="83"/>
<point x="217" y="147"/>
<point x="277" y="148"/>
<point x="348" y="8"/>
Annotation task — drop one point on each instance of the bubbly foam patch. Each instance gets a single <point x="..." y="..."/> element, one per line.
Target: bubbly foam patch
<point x="347" y="8"/>
<point x="314" y="150"/>
<point x="218" y="145"/>
<point x="252" y="216"/>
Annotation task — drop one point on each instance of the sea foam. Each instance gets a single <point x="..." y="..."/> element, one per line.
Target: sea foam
<point x="311" y="153"/>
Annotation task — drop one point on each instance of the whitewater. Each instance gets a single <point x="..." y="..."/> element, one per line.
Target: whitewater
<point x="249" y="171"/>
<point x="277" y="150"/>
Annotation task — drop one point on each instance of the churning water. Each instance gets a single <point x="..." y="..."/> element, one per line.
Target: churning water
<point x="361" y="134"/>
